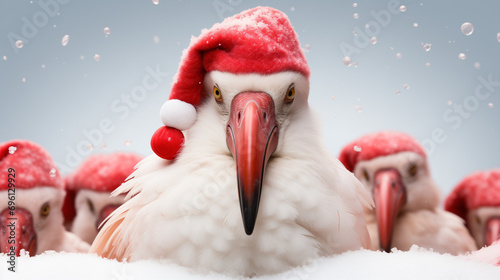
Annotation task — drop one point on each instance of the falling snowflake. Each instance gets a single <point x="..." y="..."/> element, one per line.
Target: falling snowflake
<point x="467" y="28"/>
<point x="107" y="31"/>
<point x="347" y="61"/>
<point x="65" y="40"/>
<point x="19" y="44"/>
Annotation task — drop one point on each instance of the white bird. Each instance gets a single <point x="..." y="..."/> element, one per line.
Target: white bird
<point x="31" y="197"/>
<point x="91" y="184"/>
<point x="394" y="168"/>
<point x="477" y="200"/>
<point x="254" y="153"/>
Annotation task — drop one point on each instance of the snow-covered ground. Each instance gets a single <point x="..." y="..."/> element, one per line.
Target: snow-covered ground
<point x="416" y="264"/>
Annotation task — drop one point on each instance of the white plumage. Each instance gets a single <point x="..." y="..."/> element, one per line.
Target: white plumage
<point x="188" y="210"/>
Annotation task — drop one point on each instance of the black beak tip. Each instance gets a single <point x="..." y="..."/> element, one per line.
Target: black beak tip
<point x="249" y="226"/>
<point x="249" y="218"/>
<point x="249" y="222"/>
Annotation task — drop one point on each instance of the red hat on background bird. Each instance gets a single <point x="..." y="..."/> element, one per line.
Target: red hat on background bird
<point x="33" y="166"/>
<point x="376" y="145"/>
<point x="100" y="173"/>
<point x="260" y="40"/>
<point x="479" y="189"/>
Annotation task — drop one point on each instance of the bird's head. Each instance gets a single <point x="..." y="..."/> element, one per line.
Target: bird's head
<point x="92" y="182"/>
<point x="394" y="168"/>
<point x="35" y="224"/>
<point x="254" y="110"/>
<point x="484" y="224"/>
<point x="31" y="197"/>
<point x="255" y="75"/>
<point x="92" y="209"/>
<point x="476" y="199"/>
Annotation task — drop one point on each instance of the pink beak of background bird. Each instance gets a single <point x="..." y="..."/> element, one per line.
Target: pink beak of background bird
<point x="17" y="232"/>
<point x="389" y="194"/>
<point x="492" y="230"/>
<point x="105" y="212"/>
<point x="251" y="136"/>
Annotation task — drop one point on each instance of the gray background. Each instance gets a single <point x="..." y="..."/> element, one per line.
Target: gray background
<point x="61" y="104"/>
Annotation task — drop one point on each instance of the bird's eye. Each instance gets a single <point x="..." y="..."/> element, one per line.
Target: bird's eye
<point x="365" y="175"/>
<point x="290" y="95"/>
<point x="45" y="210"/>
<point x="90" y="205"/>
<point x="412" y="169"/>
<point x="217" y="94"/>
<point x="477" y="219"/>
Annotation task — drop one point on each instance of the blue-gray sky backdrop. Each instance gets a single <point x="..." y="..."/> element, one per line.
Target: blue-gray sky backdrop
<point x="62" y="98"/>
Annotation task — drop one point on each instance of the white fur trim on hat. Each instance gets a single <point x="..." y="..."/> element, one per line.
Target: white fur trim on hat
<point x="178" y="114"/>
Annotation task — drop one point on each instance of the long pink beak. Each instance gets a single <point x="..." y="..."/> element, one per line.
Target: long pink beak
<point x="251" y="136"/>
<point x="105" y="212"/>
<point x="389" y="194"/>
<point x="492" y="230"/>
<point x="17" y="232"/>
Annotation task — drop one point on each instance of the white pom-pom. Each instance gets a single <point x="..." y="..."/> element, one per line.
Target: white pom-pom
<point x="178" y="114"/>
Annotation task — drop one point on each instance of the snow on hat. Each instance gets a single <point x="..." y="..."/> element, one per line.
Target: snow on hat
<point x="260" y="40"/>
<point x="476" y="190"/>
<point x="32" y="165"/>
<point x="101" y="173"/>
<point x="376" y="145"/>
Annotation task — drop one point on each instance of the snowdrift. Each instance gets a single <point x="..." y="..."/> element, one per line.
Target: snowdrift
<point x="415" y="264"/>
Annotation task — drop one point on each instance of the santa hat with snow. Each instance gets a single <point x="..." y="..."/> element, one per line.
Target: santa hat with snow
<point x="479" y="189"/>
<point x="100" y="173"/>
<point x="376" y="145"/>
<point x="31" y="165"/>
<point x="260" y="40"/>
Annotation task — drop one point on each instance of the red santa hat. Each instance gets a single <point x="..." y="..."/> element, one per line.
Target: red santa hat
<point x="476" y="190"/>
<point x="376" y="145"/>
<point x="260" y="40"/>
<point x="100" y="173"/>
<point x="31" y="165"/>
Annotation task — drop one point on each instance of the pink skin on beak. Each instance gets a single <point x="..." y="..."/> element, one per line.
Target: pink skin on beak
<point x="105" y="212"/>
<point x="17" y="232"/>
<point x="389" y="194"/>
<point x="251" y="136"/>
<point x="492" y="230"/>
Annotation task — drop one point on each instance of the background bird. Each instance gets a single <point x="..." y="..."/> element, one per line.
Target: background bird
<point x="35" y="204"/>
<point x="253" y="190"/>
<point x="394" y="168"/>
<point x="477" y="200"/>
<point x="90" y="186"/>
